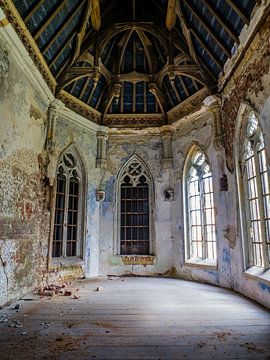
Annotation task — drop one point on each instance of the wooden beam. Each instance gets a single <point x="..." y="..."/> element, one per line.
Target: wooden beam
<point x="205" y="73"/>
<point x="64" y="25"/>
<point x="205" y="47"/>
<point x="171" y="15"/>
<point x="238" y="11"/>
<point x="32" y="11"/>
<point x="76" y="73"/>
<point x="207" y="28"/>
<point x="146" y="44"/>
<point x="81" y="33"/>
<point x="53" y="14"/>
<point x="184" y="86"/>
<point x="85" y="85"/>
<point x="122" y="44"/>
<point x="95" y="15"/>
<point x="61" y="50"/>
<point x="134" y="77"/>
<point x="222" y="22"/>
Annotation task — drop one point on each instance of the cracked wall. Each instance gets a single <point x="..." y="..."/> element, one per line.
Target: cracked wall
<point x="24" y="217"/>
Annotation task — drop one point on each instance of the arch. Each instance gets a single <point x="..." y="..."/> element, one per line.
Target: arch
<point x="253" y="189"/>
<point x="134" y="203"/>
<point x="199" y="209"/>
<point x="68" y="206"/>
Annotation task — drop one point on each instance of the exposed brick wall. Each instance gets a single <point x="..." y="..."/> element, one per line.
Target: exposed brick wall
<point x="247" y="81"/>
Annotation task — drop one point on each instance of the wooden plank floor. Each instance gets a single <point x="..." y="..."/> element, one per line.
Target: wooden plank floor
<point x="136" y="318"/>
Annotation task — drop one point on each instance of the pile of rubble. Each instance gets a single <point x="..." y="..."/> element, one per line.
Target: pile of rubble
<point x="52" y="290"/>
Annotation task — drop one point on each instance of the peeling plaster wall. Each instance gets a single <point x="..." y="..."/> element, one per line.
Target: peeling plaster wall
<point x="199" y="132"/>
<point x="24" y="217"/>
<point x="69" y="130"/>
<point x="24" y="214"/>
<point x="250" y="83"/>
<point x="148" y="147"/>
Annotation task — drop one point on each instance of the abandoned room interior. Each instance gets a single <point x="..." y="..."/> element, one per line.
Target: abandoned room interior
<point x="135" y="179"/>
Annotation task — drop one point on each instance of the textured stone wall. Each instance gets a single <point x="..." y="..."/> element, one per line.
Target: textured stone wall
<point x="121" y="147"/>
<point x="24" y="216"/>
<point x="250" y="82"/>
<point x="70" y="131"/>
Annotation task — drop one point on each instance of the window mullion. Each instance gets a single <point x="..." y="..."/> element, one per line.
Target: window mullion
<point x="261" y="208"/>
<point x="66" y="215"/>
<point x="203" y="220"/>
<point x="248" y="216"/>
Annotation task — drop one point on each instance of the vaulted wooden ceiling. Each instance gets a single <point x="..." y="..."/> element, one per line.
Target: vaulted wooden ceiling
<point x="135" y="56"/>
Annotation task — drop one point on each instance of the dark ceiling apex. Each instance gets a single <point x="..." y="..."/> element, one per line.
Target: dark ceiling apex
<point x="135" y="56"/>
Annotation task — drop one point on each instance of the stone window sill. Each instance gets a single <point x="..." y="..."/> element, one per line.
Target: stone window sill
<point x="137" y="259"/>
<point x="258" y="273"/>
<point x="205" y="263"/>
<point x="61" y="262"/>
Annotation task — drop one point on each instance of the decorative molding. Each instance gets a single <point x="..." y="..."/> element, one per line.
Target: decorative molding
<point x="134" y="120"/>
<point x="213" y="104"/>
<point x="188" y="106"/>
<point x="80" y="107"/>
<point x="166" y="136"/>
<point x="53" y="113"/>
<point x="14" y="18"/>
<point x="102" y="139"/>
<point x="169" y="195"/>
<point x="100" y="195"/>
<point x="4" y="64"/>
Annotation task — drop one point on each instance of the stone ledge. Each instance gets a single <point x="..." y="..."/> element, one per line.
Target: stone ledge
<point x="137" y="259"/>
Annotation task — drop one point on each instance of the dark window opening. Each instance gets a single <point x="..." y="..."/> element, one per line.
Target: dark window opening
<point x="134" y="226"/>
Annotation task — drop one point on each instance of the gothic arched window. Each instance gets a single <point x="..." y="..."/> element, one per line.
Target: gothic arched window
<point x="69" y="206"/>
<point x="199" y="203"/>
<point x="257" y="194"/>
<point x="134" y="209"/>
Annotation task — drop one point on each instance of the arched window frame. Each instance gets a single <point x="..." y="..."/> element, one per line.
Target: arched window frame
<point x="67" y="167"/>
<point x="202" y="173"/>
<point x="117" y="215"/>
<point x="251" y="146"/>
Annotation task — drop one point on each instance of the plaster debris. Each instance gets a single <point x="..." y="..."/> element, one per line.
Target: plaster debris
<point x="99" y="288"/>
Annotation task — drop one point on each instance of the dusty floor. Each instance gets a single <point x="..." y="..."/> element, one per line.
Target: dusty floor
<point x="136" y="318"/>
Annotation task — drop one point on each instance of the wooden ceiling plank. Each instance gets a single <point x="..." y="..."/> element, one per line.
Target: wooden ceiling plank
<point x="124" y="41"/>
<point x="205" y="72"/>
<point x="184" y="86"/>
<point x="85" y="85"/>
<point x="95" y="15"/>
<point x="168" y="94"/>
<point x="238" y="11"/>
<point x="146" y="44"/>
<point x="99" y="99"/>
<point x="205" y="47"/>
<point x="54" y="13"/>
<point x="221" y="21"/>
<point x="32" y="11"/>
<point x="60" y="51"/>
<point x="65" y="24"/>
<point x="62" y="67"/>
<point x="171" y="15"/>
<point x="207" y="28"/>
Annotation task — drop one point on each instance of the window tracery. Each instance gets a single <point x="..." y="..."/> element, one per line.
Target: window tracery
<point x="257" y="194"/>
<point x="134" y="199"/>
<point x="200" y="219"/>
<point x="68" y="209"/>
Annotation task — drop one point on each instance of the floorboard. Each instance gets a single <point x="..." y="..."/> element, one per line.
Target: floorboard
<point x="136" y="318"/>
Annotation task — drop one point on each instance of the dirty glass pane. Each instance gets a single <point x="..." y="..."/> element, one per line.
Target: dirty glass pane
<point x="134" y="226"/>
